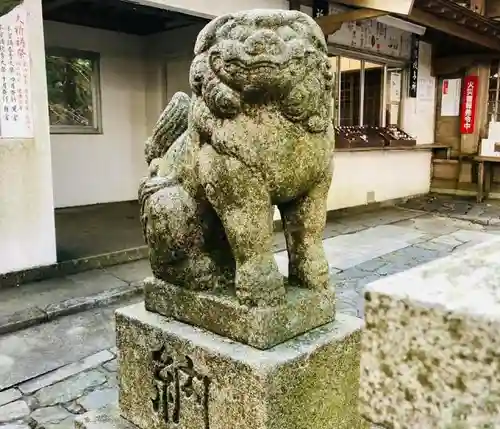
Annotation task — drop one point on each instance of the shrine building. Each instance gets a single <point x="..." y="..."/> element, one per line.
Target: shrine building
<point x="84" y="81"/>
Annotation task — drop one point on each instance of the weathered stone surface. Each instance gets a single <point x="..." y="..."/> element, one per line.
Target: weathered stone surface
<point x="70" y="389"/>
<point x="107" y="418"/>
<point x="9" y="395"/>
<point x="430" y="346"/>
<point x="261" y="327"/>
<point x="346" y="251"/>
<point x="27" y="354"/>
<point x="66" y="371"/>
<point x="308" y="382"/>
<point x="21" y="319"/>
<point x="49" y="415"/>
<point x="257" y="133"/>
<point x="15" y="425"/>
<point x="13" y="411"/>
<point x="111" y="366"/>
<point x="99" y="399"/>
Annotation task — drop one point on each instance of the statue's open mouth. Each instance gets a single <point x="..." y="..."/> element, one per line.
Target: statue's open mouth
<point x="256" y="65"/>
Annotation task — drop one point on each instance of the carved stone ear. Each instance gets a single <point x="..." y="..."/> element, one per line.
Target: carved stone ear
<point x="207" y="36"/>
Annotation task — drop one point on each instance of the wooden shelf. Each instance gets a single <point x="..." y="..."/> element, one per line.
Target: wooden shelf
<point x="418" y="147"/>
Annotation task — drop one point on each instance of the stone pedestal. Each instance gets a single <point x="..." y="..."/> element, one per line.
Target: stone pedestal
<point x="173" y="375"/>
<point x="430" y="348"/>
<point x="221" y="313"/>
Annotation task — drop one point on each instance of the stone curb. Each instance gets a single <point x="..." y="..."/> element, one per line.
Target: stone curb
<point x="74" y="266"/>
<point x="32" y="316"/>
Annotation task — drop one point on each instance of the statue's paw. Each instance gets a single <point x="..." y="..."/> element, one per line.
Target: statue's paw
<point x="259" y="283"/>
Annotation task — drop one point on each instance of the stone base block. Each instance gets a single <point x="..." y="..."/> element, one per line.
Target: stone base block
<point x="430" y="347"/>
<point x="262" y="328"/>
<point x="173" y="375"/>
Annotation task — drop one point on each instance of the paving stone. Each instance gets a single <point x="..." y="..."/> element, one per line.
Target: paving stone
<point x="9" y="395"/>
<point x="371" y="265"/>
<point x="13" y="411"/>
<point x="347" y="251"/>
<point x="49" y="415"/>
<point x="476" y="237"/>
<point x="111" y="366"/>
<point x="15" y="425"/>
<point x="436" y="246"/>
<point x="67" y="371"/>
<point x="74" y="408"/>
<point x="38" y="350"/>
<point x="99" y="399"/>
<point x="68" y="423"/>
<point x="70" y="389"/>
<point x="132" y="272"/>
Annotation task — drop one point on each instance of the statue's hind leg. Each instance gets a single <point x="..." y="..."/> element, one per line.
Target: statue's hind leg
<point x="174" y="232"/>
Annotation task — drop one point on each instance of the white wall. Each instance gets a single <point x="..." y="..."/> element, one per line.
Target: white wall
<point x="27" y="232"/>
<point x="214" y="8"/>
<point x="90" y="169"/>
<point x="364" y="177"/>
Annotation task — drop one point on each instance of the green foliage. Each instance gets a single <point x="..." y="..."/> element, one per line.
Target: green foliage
<point x="7" y="5"/>
<point x="69" y="85"/>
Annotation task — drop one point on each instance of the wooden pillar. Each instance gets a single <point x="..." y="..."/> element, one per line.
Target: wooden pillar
<point x="493" y="9"/>
<point x="478" y="6"/>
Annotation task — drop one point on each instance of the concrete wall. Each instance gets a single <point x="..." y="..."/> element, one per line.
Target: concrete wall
<point x="364" y="177"/>
<point x="97" y="168"/>
<point x="27" y="234"/>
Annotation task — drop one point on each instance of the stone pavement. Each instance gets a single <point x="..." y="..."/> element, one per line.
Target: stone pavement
<point x="465" y="208"/>
<point x="54" y="371"/>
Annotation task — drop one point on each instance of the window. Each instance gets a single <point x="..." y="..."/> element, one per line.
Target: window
<point x="493" y="93"/>
<point x="73" y="89"/>
<point x="364" y="91"/>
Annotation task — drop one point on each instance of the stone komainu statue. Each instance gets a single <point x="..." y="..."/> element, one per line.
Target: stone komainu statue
<point x="257" y="132"/>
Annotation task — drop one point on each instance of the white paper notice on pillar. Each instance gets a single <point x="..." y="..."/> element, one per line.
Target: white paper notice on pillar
<point x="16" y="109"/>
<point x="395" y="87"/>
<point x="450" y="97"/>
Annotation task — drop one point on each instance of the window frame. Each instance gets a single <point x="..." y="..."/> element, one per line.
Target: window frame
<point x="95" y="57"/>
<point x="383" y="60"/>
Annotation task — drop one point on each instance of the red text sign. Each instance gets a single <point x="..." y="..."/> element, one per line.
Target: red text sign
<point x="469" y="101"/>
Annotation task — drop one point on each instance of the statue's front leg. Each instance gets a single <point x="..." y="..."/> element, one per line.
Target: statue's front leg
<point x="242" y="202"/>
<point x="304" y="222"/>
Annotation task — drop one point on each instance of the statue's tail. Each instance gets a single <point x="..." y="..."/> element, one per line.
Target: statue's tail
<point x="172" y="123"/>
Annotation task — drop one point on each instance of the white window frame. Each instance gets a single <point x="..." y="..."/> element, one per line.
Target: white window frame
<point x="96" y="127"/>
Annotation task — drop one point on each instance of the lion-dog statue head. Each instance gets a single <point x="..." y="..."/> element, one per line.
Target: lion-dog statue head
<point x="254" y="58"/>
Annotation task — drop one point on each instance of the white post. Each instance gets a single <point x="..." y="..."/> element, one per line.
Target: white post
<point x="27" y="231"/>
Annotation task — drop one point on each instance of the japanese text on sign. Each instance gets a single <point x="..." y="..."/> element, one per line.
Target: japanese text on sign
<point x="413" y="80"/>
<point x="15" y="101"/>
<point x="469" y="97"/>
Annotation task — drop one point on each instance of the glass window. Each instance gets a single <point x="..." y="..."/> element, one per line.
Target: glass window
<point x="73" y="88"/>
<point x="349" y="95"/>
<point x="372" y="94"/>
<point x="363" y="93"/>
<point x="493" y="94"/>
